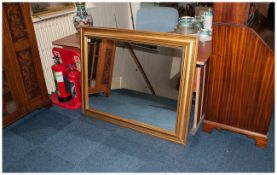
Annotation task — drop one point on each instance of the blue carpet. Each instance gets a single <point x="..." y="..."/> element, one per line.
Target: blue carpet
<point x="138" y="106"/>
<point x="59" y="140"/>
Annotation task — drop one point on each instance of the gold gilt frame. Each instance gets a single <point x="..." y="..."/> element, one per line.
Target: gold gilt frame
<point x="190" y="47"/>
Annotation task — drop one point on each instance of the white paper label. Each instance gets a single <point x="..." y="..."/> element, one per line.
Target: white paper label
<point x="59" y="76"/>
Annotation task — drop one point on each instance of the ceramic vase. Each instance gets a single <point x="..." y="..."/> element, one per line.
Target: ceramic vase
<point x="82" y="18"/>
<point x="208" y="20"/>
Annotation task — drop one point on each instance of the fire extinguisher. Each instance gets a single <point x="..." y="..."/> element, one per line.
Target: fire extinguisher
<point x="60" y="76"/>
<point x="74" y="78"/>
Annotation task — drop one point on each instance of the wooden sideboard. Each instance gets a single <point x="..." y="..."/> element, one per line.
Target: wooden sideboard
<point x="24" y="88"/>
<point x="102" y="65"/>
<point x="240" y="94"/>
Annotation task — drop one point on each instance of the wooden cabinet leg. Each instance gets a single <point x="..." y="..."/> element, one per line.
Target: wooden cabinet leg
<point x="199" y="112"/>
<point x="261" y="142"/>
<point x="108" y="93"/>
<point x="48" y="104"/>
<point x="207" y="127"/>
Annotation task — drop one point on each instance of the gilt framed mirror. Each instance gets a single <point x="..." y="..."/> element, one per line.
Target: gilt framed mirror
<point x="139" y="80"/>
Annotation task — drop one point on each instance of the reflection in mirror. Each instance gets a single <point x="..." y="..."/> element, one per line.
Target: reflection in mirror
<point x="134" y="81"/>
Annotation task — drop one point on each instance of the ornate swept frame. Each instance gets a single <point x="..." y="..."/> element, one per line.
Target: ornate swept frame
<point x="189" y="45"/>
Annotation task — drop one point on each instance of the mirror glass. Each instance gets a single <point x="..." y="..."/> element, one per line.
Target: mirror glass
<point x="134" y="81"/>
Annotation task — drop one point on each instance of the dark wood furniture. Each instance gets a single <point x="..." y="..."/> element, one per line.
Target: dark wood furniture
<point x="24" y="88"/>
<point x="72" y="41"/>
<point x="102" y="59"/>
<point x="102" y="65"/>
<point x="240" y="88"/>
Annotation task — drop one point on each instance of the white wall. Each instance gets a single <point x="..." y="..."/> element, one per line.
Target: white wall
<point x="110" y="15"/>
<point x="135" y="6"/>
<point x="114" y="15"/>
<point x="157" y="66"/>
